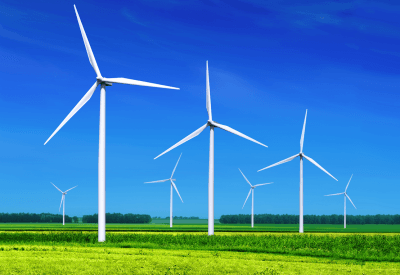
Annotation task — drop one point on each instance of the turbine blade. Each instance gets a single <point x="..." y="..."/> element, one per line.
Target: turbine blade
<point x="62" y="198"/>
<point x="233" y="131"/>
<point x="246" y="198"/>
<point x="302" y="133"/>
<point x="157" y="181"/>
<point x="189" y="137"/>
<point x="82" y="102"/>
<point x="351" y="201"/>
<point x="176" y="166"/>
<point x="335" y="194"/>
<point x="245" y="178"/>
<point x="70" y="189"/>
<point x="56" y="187"/>
<point x="319" y="166"/>
<point x="348" y="183"/>
<point x="280" y="162"/>
<point x="262" y="184"/>
<point x="208" y="97"/>
<point x="176" y="190"/>
<point x="122" y="80"/>
<point x="92" y="60"/>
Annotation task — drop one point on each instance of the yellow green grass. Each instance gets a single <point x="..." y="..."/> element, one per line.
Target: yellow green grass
<point x="42" y="259"/>
<point x="68" y="252"/>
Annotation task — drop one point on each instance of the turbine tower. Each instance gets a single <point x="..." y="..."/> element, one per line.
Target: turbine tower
<point x="172" y="185"/>
<point x="100" y="80"/>
<point x="212" y="125"/>
<point x="63" y="200"/>
<point x="252" y="187"/>
<point x="345" y="195"/>
<point x="301" y="155"/>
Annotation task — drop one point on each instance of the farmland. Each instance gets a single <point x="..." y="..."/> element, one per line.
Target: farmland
<point x="201" y="226"/>
<point x="52" y="248"/>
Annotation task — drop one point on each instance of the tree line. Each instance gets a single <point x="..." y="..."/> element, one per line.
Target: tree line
<point x="311" y="219"/>
<point x="32" y="217"/>
<point x="118" y="218"/>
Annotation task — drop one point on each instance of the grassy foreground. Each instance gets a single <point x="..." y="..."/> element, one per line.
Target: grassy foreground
<point x="69" y="252"/>
<point x="17" y="259"/>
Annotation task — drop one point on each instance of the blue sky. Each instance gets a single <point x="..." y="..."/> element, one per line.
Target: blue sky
<point x="269" y="61"/>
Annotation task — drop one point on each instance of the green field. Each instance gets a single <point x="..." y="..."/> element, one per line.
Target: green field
<point x="133" y="249"/>
<point x="201" y="226"/>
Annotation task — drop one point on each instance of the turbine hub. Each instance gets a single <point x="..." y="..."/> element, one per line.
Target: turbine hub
<point x="100" y="79"/>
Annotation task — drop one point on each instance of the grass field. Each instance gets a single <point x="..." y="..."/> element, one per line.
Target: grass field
<point x="201" y="226"/>
<point x="48" y="249"/>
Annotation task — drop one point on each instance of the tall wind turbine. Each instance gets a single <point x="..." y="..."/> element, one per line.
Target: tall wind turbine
<point x="345" y="195"/>
<point x="100" y="80"/>
<point x="172" y="185"/>
<point x="63" y="200"/>
<point x="252" y="197"/>
<point x="212" y="124"/>
<point x="301" y="155"/>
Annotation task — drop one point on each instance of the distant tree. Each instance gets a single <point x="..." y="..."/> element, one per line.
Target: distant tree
<point x="334" y="219"/>
<point x="310" y="219"/>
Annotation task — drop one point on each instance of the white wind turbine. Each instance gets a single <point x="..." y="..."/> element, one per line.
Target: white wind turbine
<point x="301" y="155"/>
<point x="252" y="197"/>
<point x="100" y="80"/>
<point x="345" y="195"/>
<point x="63" y="200"/>
<point x="172" y="184"/>
<point x="212" y="124"/>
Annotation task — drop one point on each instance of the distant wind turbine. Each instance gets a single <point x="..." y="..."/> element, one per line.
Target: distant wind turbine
<point x="212" y="124"/>
<point x="252" y="187"/>
<point x="63" y="200"/>
<point x="102" y="131"/>
<point x="172" y="185"/>
<point x="345" y="195"/>
<point x="301" y="155"/>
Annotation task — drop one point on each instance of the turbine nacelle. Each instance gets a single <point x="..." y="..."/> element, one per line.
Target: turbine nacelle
<point x="101" y="80"/>
<point x="171" y="180"/>
<point x="345" y="193"/>
<point x="212" y="123"/>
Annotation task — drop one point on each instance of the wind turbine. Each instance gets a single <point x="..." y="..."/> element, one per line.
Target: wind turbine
<point x="172" y="184"/>
<point x="212" y="124"/>
<point x="100" y="80"/>
<point x="252" y="197"/>
<point x="63" y="200"/>
<point x="345" y="195"/>
<point x="301" y="155"/>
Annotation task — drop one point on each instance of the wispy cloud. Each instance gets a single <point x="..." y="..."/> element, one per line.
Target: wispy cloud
<point x="386" y="52"/>
<point x="128" y="15"/>
<point x="354" y="15"/>
<point x="6" y="33"/>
